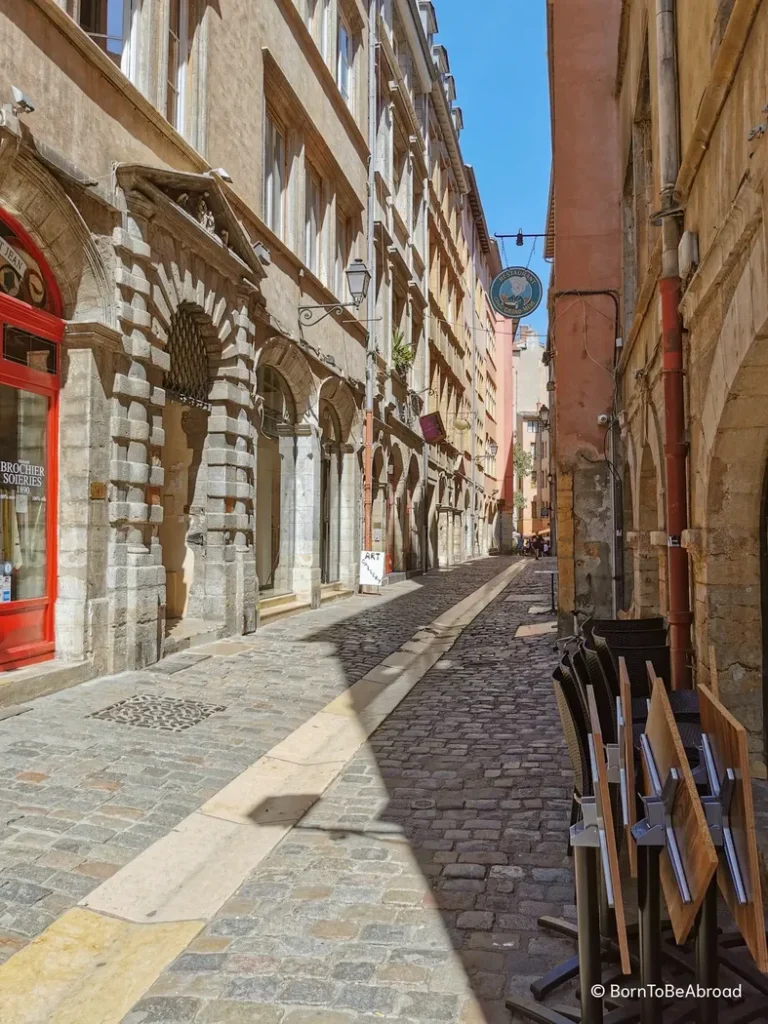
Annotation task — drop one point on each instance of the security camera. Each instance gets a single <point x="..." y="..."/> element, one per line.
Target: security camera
<point x="21" y="104"/>
<point x="603" y="420"/>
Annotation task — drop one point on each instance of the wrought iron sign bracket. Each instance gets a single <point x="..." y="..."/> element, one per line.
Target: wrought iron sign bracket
<point x="312" y="315"/>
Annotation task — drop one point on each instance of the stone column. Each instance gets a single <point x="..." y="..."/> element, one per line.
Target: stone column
<point x="135" y="575"/>
<point x="306" y="561"/>
<point x="229" y="585"/>
<point x="88" y="354"/>
<point x="351" y="490"/>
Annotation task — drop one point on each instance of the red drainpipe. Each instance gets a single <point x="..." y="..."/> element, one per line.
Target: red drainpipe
<point x="679" y="614"/>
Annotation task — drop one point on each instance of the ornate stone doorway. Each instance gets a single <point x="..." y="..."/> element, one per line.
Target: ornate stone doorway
<point x="182" y="532"/>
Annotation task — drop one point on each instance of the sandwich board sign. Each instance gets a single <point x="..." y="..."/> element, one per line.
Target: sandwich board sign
<point x="371" y="568"/>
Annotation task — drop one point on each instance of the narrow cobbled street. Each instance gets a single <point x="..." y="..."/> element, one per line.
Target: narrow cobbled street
<point x="408" y="892"/>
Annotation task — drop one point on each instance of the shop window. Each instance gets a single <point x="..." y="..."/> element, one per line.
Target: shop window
<point x="30" y="334"/>
<point x="23" y="504"/>
<point x="28" y="350"/>
<point x="113" y="26"/>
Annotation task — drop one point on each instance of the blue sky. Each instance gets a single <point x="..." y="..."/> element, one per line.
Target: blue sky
<point x="498" y="55"/>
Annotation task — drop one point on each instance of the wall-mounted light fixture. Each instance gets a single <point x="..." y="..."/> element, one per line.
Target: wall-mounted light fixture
<point x="544" y="417"/>
<point x="358" y="279"/>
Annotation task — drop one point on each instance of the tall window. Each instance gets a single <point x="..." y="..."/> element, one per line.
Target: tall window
<point x="113" y="25"/>
<point x="323" y="21"/>
<point x="344" y="62"/>
<point x="274" y="176"/>
<point x="313" y="221"/>
<point x="177" y="62"/>
<point x="342" y="258"/>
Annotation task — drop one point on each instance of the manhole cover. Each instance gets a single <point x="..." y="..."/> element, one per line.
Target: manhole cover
<point x="149" y="712"/>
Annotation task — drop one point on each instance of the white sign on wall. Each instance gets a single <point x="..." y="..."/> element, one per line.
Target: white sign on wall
<point x="371" y="568"/>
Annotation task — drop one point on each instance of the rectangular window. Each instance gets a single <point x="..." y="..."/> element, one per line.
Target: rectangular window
<point x="534" y="478"/>
<point x="344" y="62"/>
<point x="274" y="176"/>
<point x="113" y="25"/>
<point x="342" y="258"/>
<point x="178" y="21"/>
<point x="313" y="221"/>
<point x="323" y="27"/>
<point x="532" y="426"/>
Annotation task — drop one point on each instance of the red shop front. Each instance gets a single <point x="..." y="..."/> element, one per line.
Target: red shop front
<point x="32" y="330"/>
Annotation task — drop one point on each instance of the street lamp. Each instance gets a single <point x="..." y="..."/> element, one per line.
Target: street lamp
<point x="358" y="279"/>
<point x="544" y="417"/>
<point x="491" y="450"/>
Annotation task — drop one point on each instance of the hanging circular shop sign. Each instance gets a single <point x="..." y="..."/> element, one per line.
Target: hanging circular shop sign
<point x="516" y="292"/>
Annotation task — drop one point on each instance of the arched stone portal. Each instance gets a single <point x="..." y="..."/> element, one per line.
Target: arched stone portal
<point x="192" y="353"/>
<point x="414" y="516"/>
<point x="396" y="502"/>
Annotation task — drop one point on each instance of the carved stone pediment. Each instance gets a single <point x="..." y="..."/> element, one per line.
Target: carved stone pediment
<point x="200" y="198"/>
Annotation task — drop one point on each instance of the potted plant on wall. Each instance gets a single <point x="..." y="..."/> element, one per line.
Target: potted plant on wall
<point x="402" y="353"/>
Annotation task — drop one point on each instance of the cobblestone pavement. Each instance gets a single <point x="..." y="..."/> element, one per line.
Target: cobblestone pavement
<point x="410" y="892"/>
<point x="82" y="796"/>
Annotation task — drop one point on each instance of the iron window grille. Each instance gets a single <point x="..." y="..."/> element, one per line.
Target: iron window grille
<point x="188" y="379"/>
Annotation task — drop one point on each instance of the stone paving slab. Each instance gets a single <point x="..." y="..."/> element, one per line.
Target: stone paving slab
<point x="410" y="891"/>
<point x="83" y="796"/>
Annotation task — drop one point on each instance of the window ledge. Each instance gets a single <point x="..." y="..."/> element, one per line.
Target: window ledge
<point x="95" y="56"/>
<point x="328" y="79"/>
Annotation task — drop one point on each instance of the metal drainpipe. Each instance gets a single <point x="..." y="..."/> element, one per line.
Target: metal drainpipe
<point x="370" y="352"/>
<point x="675" y="447"/>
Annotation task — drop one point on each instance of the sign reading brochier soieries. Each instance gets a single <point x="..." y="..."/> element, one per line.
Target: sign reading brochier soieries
<point x="21" y="474"/>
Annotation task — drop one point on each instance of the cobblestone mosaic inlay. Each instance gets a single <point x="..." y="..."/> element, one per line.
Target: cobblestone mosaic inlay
<point x="150" y="712"/>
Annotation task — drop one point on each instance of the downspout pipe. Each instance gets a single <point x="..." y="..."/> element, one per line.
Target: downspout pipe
<point x="679" y="613"/>
<point x="370" y="353"/>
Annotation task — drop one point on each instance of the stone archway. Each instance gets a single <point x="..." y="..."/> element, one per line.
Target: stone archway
<point x="397" y="517"/>
<point x="193" y="356"/>
<point x="414" y="515"/>
<point x="733" y="574"/>
<point x="379" y="510"/>
<point x="339" y="508"/>
<point x="289" y="474"/>
<point x="275" y="483"/>
<point x="163" y="280"/>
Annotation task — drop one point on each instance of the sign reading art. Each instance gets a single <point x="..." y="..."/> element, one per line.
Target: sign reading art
<point x="371" y="568"/>
<point x="516" y="292"/>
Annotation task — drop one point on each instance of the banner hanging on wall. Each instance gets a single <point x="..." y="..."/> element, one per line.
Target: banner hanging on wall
<point x="516" y="292"/>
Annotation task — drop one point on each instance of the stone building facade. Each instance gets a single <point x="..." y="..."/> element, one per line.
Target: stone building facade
<point x="716" y="199"/>
<point x="177" y="215"/>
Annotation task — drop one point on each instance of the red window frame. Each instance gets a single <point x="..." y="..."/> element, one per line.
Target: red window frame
<point x="35" y="613"/>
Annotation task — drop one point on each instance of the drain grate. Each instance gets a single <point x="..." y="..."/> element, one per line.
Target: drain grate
<point x="171" y="714"/>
